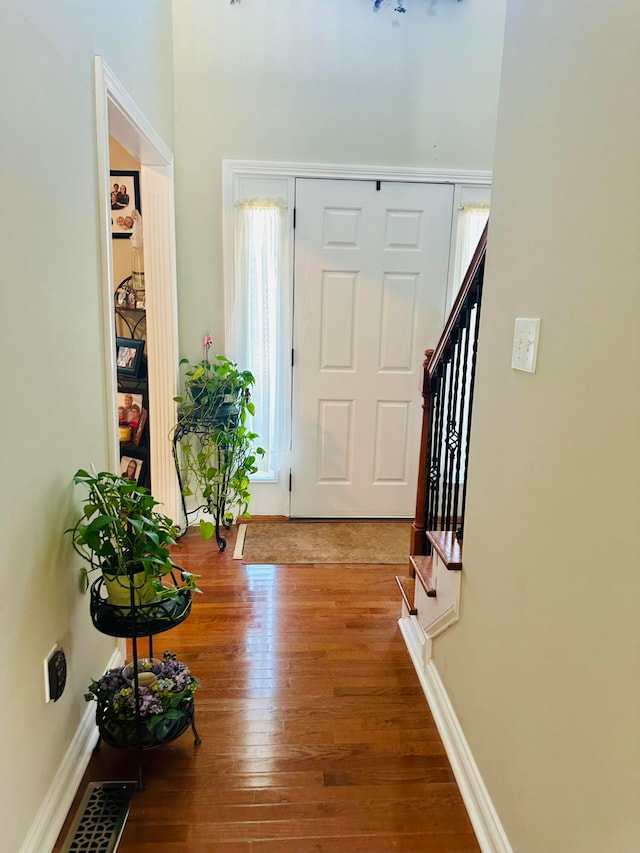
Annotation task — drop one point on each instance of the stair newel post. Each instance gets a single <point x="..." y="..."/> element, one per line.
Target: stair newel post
<point x="418" y="528"/>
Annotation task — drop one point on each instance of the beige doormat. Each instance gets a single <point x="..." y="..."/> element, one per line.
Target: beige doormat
<point x="324" y="542"/>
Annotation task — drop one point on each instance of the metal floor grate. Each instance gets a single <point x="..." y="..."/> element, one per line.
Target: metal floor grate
<point x="100" y="818"/>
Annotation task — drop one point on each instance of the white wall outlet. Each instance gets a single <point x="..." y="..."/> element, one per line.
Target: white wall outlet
<point x="525" y="344"/>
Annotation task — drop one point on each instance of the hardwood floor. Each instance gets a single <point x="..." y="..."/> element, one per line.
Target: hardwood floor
<point x="316" y="735"/>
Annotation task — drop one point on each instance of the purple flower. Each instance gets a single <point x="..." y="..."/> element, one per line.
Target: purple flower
<point x="116" y="696"/>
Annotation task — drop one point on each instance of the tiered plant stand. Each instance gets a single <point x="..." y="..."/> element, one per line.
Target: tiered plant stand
<point x="134" y="623"/>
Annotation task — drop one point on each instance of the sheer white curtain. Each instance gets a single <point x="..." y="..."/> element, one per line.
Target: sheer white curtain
<point x="259" y="270"/>
<point x="473" y="218"/>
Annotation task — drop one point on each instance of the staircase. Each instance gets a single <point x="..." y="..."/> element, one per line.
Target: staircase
<point x="431" y="591"/>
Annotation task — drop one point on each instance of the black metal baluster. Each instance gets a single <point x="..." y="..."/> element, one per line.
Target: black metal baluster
<point x="453" y="433"/>
<point x="448" y="436"/>
<point x="437" y="474"/>
<point x="462" y="420"/>
<point x="434" y="397"/>
<point x="474" y="352"/>
<point x="451" y="372"/>
<point x="432" y="469"/>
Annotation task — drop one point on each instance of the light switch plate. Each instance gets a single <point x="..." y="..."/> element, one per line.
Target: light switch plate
<point x="525" y="344"/>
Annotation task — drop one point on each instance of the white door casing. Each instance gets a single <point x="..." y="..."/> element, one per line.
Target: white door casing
<point x="369" y="297"/>
<point x="118" y="114"/>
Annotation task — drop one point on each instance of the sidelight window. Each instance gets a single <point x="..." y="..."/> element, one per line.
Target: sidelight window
<point x="258" y="317"/>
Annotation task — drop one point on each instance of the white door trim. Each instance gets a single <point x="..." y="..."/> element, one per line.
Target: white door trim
<point x="273" y="168"/>
<point x="273" y="498"/>
<point x="233" y="170"/>
<point x="118" y="114"/>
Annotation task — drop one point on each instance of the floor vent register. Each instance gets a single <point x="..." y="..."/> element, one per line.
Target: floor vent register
<point x="100" y="818"/>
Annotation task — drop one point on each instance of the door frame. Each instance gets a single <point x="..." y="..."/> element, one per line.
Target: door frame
<point x="272" y="498"/>
<point x="118" y="115"/>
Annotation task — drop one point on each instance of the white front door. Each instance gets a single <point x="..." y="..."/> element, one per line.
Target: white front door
<point x="370" y="280"/>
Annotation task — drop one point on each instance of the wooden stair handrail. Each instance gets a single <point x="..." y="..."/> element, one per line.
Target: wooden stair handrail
<point x="468" y="284"/>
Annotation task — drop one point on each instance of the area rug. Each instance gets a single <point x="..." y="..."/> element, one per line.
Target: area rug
<point x="324" y="542"/>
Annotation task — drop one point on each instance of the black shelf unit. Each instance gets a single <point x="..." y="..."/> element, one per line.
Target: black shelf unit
<point x="134" y="319"/>
<point x="137" y="448"/>
<point x="140" y="451"/>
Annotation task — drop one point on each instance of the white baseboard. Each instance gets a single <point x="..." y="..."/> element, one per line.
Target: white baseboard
<point x="54" y="809"/>
<point x="482" y="814"/>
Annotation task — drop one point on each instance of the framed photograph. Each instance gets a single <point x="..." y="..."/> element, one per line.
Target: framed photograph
<point x="129" y="354"/>
<point x="131" y="468"/>
<point x="139" y="430"/>
<point x="125" y="198"/>
<point x="130" y="408"/>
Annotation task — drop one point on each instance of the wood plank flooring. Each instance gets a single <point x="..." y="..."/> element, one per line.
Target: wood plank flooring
<point x="316" y="735"/>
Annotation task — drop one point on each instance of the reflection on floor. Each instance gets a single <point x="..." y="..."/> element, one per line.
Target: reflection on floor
<point x="316" y="735"/>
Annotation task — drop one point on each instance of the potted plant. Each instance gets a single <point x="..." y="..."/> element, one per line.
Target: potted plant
<point x="216" y="392"/>
<point x="213" y="447"/>
<point x="121" y="534"/>
<point x="164" y="703"/>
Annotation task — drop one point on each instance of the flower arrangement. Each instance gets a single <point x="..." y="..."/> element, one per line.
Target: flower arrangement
<point x="165" y="703"/>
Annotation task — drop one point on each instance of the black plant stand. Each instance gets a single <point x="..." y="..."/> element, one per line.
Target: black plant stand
<point x="135" y="622"/>
<point x="215" y="505"/>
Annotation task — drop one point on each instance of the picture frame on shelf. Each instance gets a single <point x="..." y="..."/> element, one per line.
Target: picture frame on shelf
<point x="129" y="357"/>
<point x="125" y="198"/>
<point x="131" y="468"/>
<point x="124" y="297"/>
<point x="139" y="430"/>
<point x="130" y="408"/>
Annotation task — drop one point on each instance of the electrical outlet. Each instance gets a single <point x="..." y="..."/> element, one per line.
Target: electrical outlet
<point x="55" y="674"/>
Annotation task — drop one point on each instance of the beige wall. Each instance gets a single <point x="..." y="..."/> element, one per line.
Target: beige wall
<point x="328" y="82"/>
<point x="51" y="350"/>
<point x="543" y="666"/>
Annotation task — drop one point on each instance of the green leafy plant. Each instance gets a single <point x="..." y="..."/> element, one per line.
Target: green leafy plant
<point x="213" y="389"/>
<point x="214" y="447"/>
<point x="121" y="534"/>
